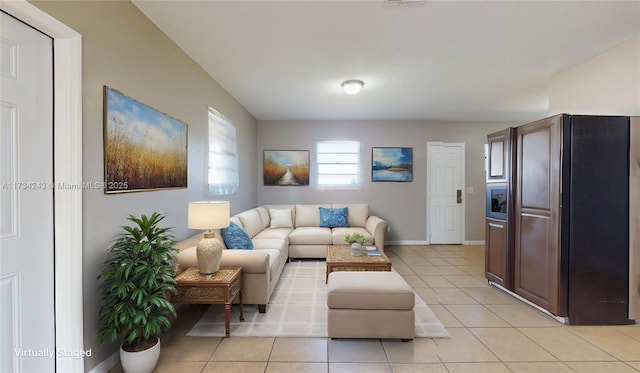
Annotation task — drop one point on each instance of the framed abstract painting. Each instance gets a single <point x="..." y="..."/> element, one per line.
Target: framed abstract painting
<point x="391" y="164"/>
<point x="144" y="149"/>
<point x="286" y="167"/>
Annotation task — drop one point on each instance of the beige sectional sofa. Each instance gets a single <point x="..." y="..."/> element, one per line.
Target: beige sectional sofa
<point x="280" y="232"/>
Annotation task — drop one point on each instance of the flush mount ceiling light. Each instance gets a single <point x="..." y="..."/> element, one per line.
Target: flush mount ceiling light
<point x="404" y="3"/>
<point x="352" y="86"/>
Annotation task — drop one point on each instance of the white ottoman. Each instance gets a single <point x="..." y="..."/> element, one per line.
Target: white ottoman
<point x="370" y="305"/>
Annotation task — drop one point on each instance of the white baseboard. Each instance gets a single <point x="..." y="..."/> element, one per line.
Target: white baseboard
<point x="473" y="243"/>
<point x="416" y="242"/>
<point x="107" y="363"/>
<point x="406" y="242"/>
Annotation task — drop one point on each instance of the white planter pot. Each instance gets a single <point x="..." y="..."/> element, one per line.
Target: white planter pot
<point x="142" y="361"/>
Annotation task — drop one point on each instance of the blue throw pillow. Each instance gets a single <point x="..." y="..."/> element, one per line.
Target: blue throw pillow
<point x="331" y="218"/>
<point x="236" y="238"/>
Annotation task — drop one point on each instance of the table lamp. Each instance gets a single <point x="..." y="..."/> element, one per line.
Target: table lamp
<point x="208" y="215"/>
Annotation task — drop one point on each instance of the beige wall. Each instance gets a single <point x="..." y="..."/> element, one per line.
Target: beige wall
<point x="124" y="50"/>
<point x="608" y="83"/>
<point x="403" y="205"/>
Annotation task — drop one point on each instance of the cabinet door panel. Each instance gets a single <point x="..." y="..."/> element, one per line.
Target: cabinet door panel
<point x="499" y="156"/>
<point x="535" y="169"/>
<point x="537" y="211"/>
<point x="535" y="275"/>
<point x="496" y="256"/>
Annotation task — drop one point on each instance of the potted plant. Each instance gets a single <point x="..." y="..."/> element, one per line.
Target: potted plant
<point x="356" y="240"/>
<point x="137" y="278"/>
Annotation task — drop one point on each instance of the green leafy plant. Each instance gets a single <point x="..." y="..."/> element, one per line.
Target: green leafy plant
<point x="355" y="237"/>
<point x="137" y="278"/>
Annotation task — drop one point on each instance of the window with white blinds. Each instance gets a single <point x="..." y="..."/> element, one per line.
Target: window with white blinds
<point x="338" y="163"/>
<point x="223" y="155"/>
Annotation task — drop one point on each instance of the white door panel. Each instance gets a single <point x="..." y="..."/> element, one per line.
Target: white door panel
<point x="445" y="183"/>
<point x="26" y="199"/>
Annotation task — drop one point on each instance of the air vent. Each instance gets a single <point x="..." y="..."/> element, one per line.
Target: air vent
<point x="404" y="2"/>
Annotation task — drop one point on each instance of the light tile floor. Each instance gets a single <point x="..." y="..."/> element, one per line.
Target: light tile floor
<point x="490" y="332"/>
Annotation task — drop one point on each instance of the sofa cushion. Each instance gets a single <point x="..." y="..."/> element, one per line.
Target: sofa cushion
<point x="264" y="216"/>
<point x="337" y="235"/>
<point x="280" y="218"/>
<point x="277" y="233"/>
<point x="358" y="213"/>
<point x="330" y="218"/>
<point x="236" y="221"/>
<point x="310" y="236"/>
<point x="251" y="221"/>
<point x="308" y="215"/>
<point x="271" y="243"/>
<point x="236" y="238"/>
<point x="369" y="291"/>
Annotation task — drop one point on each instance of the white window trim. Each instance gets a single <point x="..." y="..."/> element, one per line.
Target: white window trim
<point x="356" y="185"/>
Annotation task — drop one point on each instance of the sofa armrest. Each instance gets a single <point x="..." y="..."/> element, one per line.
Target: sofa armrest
<point x="189" y="242"/>
<point x="377" y="228"/>
<point x="251" y="261"/>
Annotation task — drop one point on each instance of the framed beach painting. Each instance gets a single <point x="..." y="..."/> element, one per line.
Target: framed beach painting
<point x="286" y="167"/>
<point x="144" y="149"/>
<point x="391" y="164"/>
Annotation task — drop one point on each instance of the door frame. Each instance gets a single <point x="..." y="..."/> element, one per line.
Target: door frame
<point x="462" y="186"/>
<point x="67" y="163"/>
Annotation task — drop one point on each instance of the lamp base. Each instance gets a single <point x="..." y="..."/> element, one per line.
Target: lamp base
<point x="209" y="252"/>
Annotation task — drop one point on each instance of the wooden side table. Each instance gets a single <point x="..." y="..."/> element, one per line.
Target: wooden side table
<point x="221" y="287"/>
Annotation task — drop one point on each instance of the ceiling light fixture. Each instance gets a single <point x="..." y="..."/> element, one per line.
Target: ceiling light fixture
<point x="405" y="3"/>
<point x="352" y="86"/>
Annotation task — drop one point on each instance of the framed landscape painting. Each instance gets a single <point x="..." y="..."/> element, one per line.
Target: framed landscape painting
<point x="286" y="167"/>
<point x="144" y="149"/>
<point x="391" y="164"/>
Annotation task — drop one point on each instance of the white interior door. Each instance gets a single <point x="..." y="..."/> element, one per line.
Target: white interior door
<point x="445" y="205"/>
<point x="27" y="317"/>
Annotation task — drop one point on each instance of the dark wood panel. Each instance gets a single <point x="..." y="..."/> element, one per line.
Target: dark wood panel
<point x="535" y="172"/>
<point x="496" y="256"/>
<point x="634" y="218"/>
<point x="572" y="209"/>
<point x="537" y="212"/>
<point x="499" y="162"/>
<point x="598" y="229"/>
<point x="537" y="274"/>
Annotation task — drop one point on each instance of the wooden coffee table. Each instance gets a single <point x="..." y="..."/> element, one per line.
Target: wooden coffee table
<point x="339" y="258"/>
<point x="221" y="287"/>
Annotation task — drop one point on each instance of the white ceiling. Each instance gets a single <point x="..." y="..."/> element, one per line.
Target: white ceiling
<point x="444" y="60"/>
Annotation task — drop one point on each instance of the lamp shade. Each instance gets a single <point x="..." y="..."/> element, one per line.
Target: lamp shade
<point x="208" y="214"/>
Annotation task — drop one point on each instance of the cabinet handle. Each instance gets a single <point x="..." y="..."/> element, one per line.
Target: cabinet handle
<point x="459" y="196"/>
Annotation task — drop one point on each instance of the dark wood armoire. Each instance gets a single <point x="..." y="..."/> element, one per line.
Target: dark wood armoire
<point x="569" y="188"/>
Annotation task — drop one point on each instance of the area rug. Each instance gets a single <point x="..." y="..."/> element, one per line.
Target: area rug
<point x="298" y="308"/>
